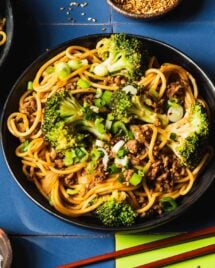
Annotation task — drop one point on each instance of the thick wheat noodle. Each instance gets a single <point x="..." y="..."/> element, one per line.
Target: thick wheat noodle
<point x="162" y="78"/>
<point x="152" y="143"/>
<point x="12" y="126"/>
<point x="3" y="38"/>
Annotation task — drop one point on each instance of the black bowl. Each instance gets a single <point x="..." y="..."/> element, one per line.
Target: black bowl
<point x="165" y="53"/>
<point x="6" y="11"/>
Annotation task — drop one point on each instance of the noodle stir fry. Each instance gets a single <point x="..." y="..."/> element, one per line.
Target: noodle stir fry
<point x="108" y="132"/>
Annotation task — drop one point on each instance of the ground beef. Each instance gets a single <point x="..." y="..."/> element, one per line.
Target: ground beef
<point x="115" y="80"/>
<point x="59" y="163"/>
<point x="142" y="134"/>
<point x="30" y="107"/>
<point x="176" y="90"/>
<point x="68" y="181"/>
<point x="132" y="146"/>
<point x="165" y="172"/>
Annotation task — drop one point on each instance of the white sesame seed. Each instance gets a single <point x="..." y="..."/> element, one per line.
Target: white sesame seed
<point x="84" y="4"/>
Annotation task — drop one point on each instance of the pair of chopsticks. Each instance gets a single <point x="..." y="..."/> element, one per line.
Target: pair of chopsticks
<point x="170" y="241"/>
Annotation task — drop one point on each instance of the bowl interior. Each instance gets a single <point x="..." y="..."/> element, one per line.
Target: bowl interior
<point x="164" y="53"/>
<point x="6" y="11"/>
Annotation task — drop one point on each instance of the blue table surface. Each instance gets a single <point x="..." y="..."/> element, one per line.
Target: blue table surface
<point x="39" y="239"/>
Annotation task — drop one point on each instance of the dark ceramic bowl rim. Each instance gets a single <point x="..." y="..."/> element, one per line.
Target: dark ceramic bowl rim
<point x="143" y="16"/>
<point x="4" y="50"/>
<point x="41" y="202"/>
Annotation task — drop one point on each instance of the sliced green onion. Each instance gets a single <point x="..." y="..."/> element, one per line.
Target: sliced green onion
<point x="69" y="158"/>
<point x="75" y="64"/>
<point x="100" y="125"/>
<point x="49" y="70"/>
<point x="98" y="93"/>
<point x="96" y="154"/>
<point x="168" y="204"/>
<point x="175" y="112"/>
<point x="136" y="179"/>
<point x="113" y="169"/>
<point x="82" y="83"/>
<point x="75" y="155"/>
<point x="117" y="146"/>
<point x="121" y="162"/>
<point x="95" y="109"/>
<point x="62" y="70"/>
<point x="30" y="85"/>
<point x="100" y="70"/>
<point x="98" y="103"/>
<point x="106" y="97"/>
<point x="119" y="127"/>
<point x="25" y="146"/>
<point x="105" y="158"/>
<point x="108" y="124"/>
<point x="80" y="153"/>
<point x="99" y="143"/>
<point x="122" y="152"/>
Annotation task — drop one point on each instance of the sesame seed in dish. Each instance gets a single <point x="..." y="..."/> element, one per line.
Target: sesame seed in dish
<point x="145" y="7"/>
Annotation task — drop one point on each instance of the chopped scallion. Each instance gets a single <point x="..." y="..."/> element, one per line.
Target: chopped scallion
<point x="76" y="64"/>
<point x="100" y="70"/>
<point x="30" y="85"/>
<point x="136" y="179"/>
<point x="82" y="83"/>
<point x="175" y="112"/>
<point x="25" y="146"/>
<point x="168" y="204"/>
<point x="62" y="70"/>
<point x="50" y="70"/>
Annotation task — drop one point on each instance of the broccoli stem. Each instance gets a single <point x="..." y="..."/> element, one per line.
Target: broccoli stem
<point x="145" y="114"/>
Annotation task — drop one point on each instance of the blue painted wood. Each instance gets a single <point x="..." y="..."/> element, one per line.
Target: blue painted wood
<point x="38" y="238"/>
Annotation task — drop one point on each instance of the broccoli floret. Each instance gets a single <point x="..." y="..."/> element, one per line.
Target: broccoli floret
<point x="65" y="118"/>
<point x="119" y="105"/>
<point x="113" y="213"/>
<point x="61" y="136"/>
<point x="187" y="134"/>
<point x="124" y="55"/>
<point x="61" y="107"/>
<point x="124" y="107"/>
